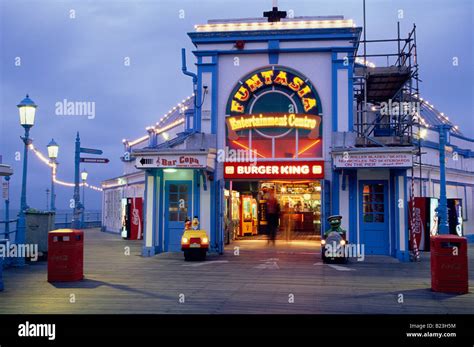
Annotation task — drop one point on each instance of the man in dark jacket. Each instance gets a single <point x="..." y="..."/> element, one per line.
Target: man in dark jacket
<point x="273" y="213"/>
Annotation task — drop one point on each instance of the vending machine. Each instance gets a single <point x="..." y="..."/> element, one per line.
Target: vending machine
<point x="132" y="218"/>
<point x="455" y="217"/>
<point x="425" y="223"/>
<point x="254" y="217"/>
<point x="246" y="218"/>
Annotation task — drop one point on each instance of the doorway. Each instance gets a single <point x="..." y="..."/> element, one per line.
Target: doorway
<point x="373" y="216"/>
<point x="300" y="205"/>
<point x="177" y="207"/>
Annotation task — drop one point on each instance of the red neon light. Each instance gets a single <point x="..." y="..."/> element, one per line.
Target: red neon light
<point x="308" y="147"/>
<point x="247" y="148"/>
<point x="308" y="169"/>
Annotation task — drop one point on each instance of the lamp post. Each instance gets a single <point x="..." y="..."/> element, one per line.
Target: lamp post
<point x="7" y="209"/>
<point x="84" y="179"/>
<point x="443" y="203"/>
<point x="27" y="111"/>
<point x="422" y="132"/>
<point x="47" y="198"/>
<point x="53" y="150"/>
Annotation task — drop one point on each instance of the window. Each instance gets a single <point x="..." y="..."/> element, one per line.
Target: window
<point x="373" y="206"/>
<point x="178" y="199"/>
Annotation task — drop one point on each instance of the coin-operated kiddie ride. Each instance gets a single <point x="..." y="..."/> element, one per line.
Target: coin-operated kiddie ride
<point x="194" y="242"/>
<point x="334" y="242"/>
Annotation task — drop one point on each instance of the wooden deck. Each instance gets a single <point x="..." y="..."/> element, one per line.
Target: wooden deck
<point x="261" y="279"/>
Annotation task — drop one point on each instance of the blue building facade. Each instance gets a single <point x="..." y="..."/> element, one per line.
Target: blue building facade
<point x="288" y="106"/>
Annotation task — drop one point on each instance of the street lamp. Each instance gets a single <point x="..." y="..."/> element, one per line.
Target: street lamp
<point x="443" y="223"/>
<point x="27" y="111"/>
<point x="53" y="149"/>
<point x="422" y="133"/>
<point x="84" y="175"/>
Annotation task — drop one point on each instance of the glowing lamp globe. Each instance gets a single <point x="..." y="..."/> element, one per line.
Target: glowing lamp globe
<point x="27" y="110"/>
<point x="53" y="149"/>
<point x="84" y="175"/>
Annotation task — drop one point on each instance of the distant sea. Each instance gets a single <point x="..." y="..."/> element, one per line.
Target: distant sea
<point x="61" y="216"/>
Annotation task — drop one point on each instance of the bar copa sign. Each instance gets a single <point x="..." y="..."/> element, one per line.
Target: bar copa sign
<point x="183" y="161"/>
<point x="275" y="170"/>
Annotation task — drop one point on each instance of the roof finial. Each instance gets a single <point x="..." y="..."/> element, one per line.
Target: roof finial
<point x="274" y="15"/>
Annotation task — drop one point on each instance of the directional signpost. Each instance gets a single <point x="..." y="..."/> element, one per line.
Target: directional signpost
<point x="78" y="206"/>
<point x="95" y="160"/>
<point x="90" y="151"/>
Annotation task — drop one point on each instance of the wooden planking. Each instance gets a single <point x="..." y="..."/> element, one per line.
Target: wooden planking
<point x="116" y="283"/>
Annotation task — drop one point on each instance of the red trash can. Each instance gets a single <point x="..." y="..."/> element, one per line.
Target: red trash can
<point x="449" y="264"/>
<point x="65" y="255"/>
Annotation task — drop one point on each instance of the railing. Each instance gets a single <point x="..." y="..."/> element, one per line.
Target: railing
<point x="5" y="225"/>
<point x="91" y="220"/>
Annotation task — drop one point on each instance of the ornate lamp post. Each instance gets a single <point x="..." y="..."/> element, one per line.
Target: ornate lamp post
<point x="53" y="149"/>
<point x="27" y="111"/>
<point x="443" y="205"/>
<point x="84" y="175"/>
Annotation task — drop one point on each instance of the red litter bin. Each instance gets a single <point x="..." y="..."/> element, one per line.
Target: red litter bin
<point x="449" y="264"/>
<point x="65" y="255"/>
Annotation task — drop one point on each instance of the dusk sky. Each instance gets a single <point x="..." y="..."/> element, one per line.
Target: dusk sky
<point x="82" y="59"/>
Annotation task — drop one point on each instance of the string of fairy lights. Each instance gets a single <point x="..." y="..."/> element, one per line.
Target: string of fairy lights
<point x="54" y="166"/>
<point x="181" y="107"/>
<point x="440" y="115"/>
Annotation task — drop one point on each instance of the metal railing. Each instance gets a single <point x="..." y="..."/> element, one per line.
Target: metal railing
<point x="5" y="229"/>
<point x="91" y="220"/>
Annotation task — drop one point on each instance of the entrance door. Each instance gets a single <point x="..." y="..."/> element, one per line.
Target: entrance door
<point x="177" y="208"/>
<point x="373" y="216"/>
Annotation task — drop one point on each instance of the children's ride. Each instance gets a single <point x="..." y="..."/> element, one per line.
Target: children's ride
<point x="334" y="242"/>
<point x="194" y="242"/>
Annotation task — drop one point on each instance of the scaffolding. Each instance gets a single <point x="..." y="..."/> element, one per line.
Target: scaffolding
<point x="385" y="94"/>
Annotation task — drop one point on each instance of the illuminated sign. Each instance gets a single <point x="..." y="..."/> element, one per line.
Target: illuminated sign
<point x="276" y="113"/>
<point x="183" y="161"/>
<point x="274" y="77"/>
<point x="275" y="170"/>
<point x="375" y="160"/>
<point x="274" y="120"/>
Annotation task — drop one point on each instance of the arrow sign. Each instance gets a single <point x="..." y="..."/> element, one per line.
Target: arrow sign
<point x="95" y="160"/>
<point x="91" y="151"/>
<point x="146" y="161"/>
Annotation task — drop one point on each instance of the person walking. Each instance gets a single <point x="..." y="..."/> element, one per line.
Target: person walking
<point x="287" y="221"/>
<point x="273" y="212"/>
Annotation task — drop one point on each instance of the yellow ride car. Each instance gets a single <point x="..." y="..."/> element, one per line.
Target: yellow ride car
<point x="194" y="242"/>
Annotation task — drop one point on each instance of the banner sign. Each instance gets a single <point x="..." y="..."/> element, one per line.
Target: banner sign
<point x="183" y="161"/>
<point x="275" y="170"/>
<point x="5" y="190"/>
<point x="372" y="160"/>
<point x="273" y="120"/>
